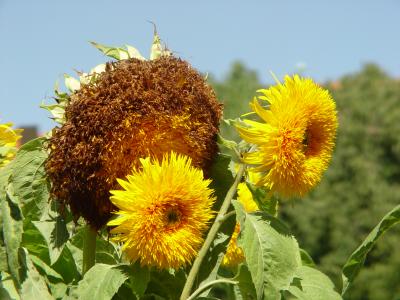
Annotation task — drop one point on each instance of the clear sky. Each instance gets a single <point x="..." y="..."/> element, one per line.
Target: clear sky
<point x="40" y="40"/>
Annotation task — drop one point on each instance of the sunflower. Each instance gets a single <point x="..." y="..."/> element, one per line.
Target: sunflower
<point x="134" y="109"/>
<point x="164" y="209"/>
<point x="294" y="145"/>
<point x="234" y="254"/>
<point x="8" y="141"/>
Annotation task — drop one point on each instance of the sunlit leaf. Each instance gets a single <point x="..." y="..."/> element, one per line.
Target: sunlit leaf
<point x="34" y="286"/>
<point x="357" y="258"/>
<point x="71" y="83"/>
<point x="314" y="285"/>
<point x="272" y="254"/>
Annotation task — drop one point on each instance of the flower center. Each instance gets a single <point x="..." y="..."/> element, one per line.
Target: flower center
<point x="172" y="216"/>
<point x="306" y="140"/>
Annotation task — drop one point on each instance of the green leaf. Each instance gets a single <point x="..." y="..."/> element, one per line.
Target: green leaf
<point x="314" y="285"/>
<point x="101" y="282"/>
<point x="114" y="52"/>
<point x="55" y="234"/>
<point x="246" y="286"/>
<point x="29" y="181"/>
<point x="71" y="83"/>
<point x="272" y="254"/>
<point x="67" y="266"/>
<point x="134" y="53"/>
<point x="35" y="243"/>
<point x="356" y="260"/>
<point x="12" y="233"/>
<point x="231" y="147"/>
<point x="139" y="278"/>
<point x="165" y="285"/>
<point x="265" y="202"/>
<point x="42" y="266"/>
<point x="34" y="286"/>
<point x="306" y="259"/>
<point x="7" y="287"/>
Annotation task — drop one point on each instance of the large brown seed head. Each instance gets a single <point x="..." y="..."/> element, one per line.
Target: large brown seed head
<point x="135" y="109"/>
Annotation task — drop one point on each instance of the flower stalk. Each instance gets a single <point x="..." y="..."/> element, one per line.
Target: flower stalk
<point x="211" y="234"/>
<point x="89" y="249"/>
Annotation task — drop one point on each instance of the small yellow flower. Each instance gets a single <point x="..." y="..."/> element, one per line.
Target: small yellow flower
<point x="164" y="209"/>
<point x="294" y="145"/>
<point x="234" y="254"/>
<point x="8" y="142"/>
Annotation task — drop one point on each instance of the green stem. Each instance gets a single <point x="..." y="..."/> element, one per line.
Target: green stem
<point x="89" y="249"/>
<point x="208" y="285"/>
<point x="211" y="235"/>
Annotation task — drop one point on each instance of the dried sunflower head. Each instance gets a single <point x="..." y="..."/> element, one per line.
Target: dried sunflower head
<point x="134" y="109"/>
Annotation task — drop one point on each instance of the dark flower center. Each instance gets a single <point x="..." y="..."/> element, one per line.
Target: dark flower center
<point x="173" y="216"/>
<point x="306" y="140"/>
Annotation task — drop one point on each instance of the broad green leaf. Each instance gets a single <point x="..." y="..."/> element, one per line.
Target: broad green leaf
<point x="245" y="285"/>
<point x="272" y="254"/>
<point x="71" y="83"/>
<point x="12" y="233"/>
<point x="265" y="202"/>
<point x="44" y="268"/>
<point x="139" y="277"/>
<point x="56" y="110"/>
<point x="7" y="287"/>
<point x="229" y="147"/>
<point x="54" y="281"/>
<point x="314" y="285"/>
<point x="29" y="181"/>
<point x="3" y="257"/>
<point x="165" y="285"/>
<point x="67" y="266"/>
<point x="35" y="243"/>
<point x="114" y="52"/>
<point x="356" y="260"/>
<point x="34" y="286"/>
<point x="306" y="259"/>
<point x="55" y="234"/>
<point x="101" y="282"/>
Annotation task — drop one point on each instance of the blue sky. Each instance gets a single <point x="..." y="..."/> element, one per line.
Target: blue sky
<point x="41" y="40"/>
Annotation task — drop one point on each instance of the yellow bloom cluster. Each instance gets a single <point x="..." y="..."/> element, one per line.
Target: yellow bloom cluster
<point x="164" y="208"/>
<point x="234" y="254"/>
<point x="8" y="142"/>
<point x="294" y="142"/>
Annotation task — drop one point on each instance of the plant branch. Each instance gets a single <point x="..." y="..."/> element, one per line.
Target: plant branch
<point x="211" y="234"/>
<point x="207" y="285"/>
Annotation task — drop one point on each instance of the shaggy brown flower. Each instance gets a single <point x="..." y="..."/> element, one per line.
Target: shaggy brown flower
<point x="134" y="109"/>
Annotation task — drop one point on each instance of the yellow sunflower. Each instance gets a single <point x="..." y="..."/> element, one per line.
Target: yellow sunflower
<point x="164" y="209"/>
<point x="8" y="141"/>
<point x="234" y="254"/>
<point x="294" y="145"/>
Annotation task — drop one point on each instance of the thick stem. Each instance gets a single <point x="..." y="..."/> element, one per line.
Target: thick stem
<point x="208" y="285"/>
<point x="89" y="249"/>
<point x="211" y="235"/>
